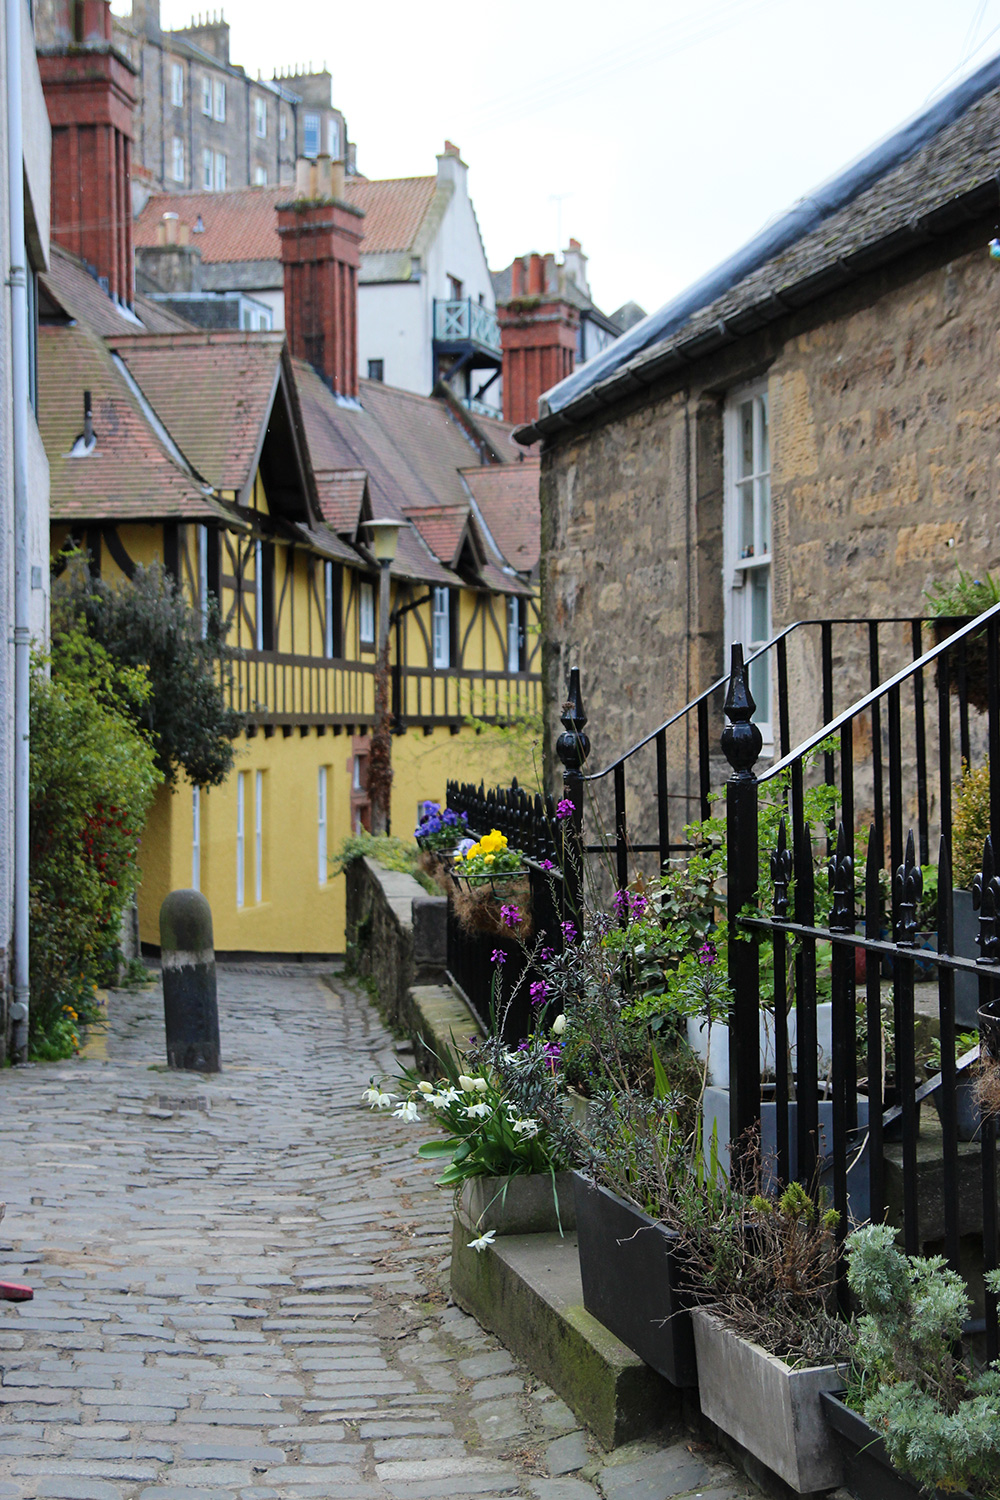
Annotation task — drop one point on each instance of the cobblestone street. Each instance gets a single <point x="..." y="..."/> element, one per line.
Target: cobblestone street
<point x="241" y="1283"/>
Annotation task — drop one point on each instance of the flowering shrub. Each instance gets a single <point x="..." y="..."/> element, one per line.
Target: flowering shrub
<point x="92" y="779"/>
<point x="439" y="829"/>
<point x="491" y="856"/>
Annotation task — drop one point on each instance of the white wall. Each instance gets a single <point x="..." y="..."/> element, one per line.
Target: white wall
<point x="393" y="327"/>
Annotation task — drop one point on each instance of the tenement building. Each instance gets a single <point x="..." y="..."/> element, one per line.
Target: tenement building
<point x="810" y="430"/>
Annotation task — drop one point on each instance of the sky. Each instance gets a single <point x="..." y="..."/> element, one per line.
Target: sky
<point x="660" y="135"/>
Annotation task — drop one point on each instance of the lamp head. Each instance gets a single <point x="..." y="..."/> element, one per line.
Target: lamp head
<point x="384" y="538"/>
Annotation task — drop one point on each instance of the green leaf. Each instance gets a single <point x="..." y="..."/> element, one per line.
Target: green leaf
<point x="430" y="1149"/>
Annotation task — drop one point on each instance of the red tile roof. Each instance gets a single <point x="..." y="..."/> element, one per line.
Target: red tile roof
<point x="243" y="224"/>
<point x="71" y="287"/>
<point x="212" y="391"/>
<point x="129" y="475"/>
<point x="507" y="496"/>
<point x="341" y="493"/>
<point x="443" y="528"/>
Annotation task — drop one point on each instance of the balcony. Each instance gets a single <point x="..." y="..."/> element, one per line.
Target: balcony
<point x="463" y="323"/>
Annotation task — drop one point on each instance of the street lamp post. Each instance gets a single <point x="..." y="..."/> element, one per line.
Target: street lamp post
<point x="385" y="538"/>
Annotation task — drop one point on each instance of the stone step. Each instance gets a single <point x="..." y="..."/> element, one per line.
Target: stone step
<point x="526" y="1289"/>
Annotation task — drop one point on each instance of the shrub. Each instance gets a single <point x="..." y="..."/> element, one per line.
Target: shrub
<point x="970" y="824"/>
<point x="92" y="779"/>
<point x="148" y="623"/>
<point x="386" y="850"/>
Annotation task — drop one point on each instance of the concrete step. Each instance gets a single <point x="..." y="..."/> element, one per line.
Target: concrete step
<point x="526" y="1289"/>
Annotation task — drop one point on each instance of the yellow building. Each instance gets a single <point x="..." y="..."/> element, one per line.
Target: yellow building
<point x="239" y="469"/>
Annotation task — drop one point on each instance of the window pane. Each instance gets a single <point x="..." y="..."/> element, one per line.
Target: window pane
<point x="746" y="533"/>
<point x="759" y="584"/>
<point x="310" y="135"/>
<point x="746" y="438"/>
<point x="764" y="461"/>
<point x="763" y="526"/>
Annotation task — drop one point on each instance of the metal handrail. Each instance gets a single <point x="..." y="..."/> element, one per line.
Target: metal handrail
<point x="722" y="681"/>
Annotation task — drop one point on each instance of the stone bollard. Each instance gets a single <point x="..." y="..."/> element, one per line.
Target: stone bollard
<point x="190" y="1003"/>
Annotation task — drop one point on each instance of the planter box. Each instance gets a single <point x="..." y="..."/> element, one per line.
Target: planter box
<point x="632" y="1281"/>
<point x="868" y="1473"/>
<point x="966" y="985"/>
<point x="713" y="1042"/>
<point x="715" y="1115"/>
<point x="770" y="1408"/>
<point x="528" y="1206"/>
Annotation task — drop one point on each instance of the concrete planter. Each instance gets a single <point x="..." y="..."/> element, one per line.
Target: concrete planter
<point x="632" y="1281"/>
<point x="766" y="1405"/>
<point x="868" y="1473"/>
<point x="966" y="985"/>
<point x="523" y="1204"/>
<point x="713" y="1043"/>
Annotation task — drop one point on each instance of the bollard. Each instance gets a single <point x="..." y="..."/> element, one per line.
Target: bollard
<point x="190" y="1002"/>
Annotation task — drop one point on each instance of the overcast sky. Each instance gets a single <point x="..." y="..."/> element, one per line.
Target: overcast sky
<point x="661" y="135"/>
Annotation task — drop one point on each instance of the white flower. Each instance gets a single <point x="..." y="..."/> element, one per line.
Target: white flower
<point x="449" y="1096"/>
<point x="480" y="1110"/>
<point x="484" y="1240"/>
<point x="466" y="1083"/>
<point x="480" y="1085"/>
<point x="559" y="1025"/>
<point x="425" y="1087"/>
<point x="526" y="1128"/>
<point x="376" y="1098"/>
<point x="407" y="1112"/>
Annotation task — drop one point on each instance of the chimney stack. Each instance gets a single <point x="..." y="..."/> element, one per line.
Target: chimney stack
<point x="320" y="239"/>
<point x="90" y="95"/>
<point x="538" y="335"/>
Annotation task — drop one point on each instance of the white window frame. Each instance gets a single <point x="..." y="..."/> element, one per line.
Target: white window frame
<point x="441" y="628"/>
<point x="282" y="125"/>
<point x="177" y="85"/>
<point x="311" y="125"/>
<point x="514" y="606"/>
<point x="328" y="632"/>
<point x="333" y="139"/>
<point x="241" y="829"/>
<point x="206" y="94"/>
<point x="219" y="95"/>
<point x="258" y="837"/>
<point x="260" y="177"/>
<point x="748" y="559"/>
<point x="220" y="171"/>
<point x="258" y="594"/>
<point x="196" y="838"/>
<point x="322" y="858"/>
<point x="260" y="117"/>
<point x="178" y="162"/>
<point x="366" y="612"/>
<point x="207" y="169"/>
<point x="203" y="579"/>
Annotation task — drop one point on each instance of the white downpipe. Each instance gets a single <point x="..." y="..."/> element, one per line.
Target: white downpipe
<point x="17" y="281"/>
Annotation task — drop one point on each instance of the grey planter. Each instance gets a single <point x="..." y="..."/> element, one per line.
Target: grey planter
<point x="966" y="985"/>
<point x="524" y="1204"/>
<point x="768" y="1406"/>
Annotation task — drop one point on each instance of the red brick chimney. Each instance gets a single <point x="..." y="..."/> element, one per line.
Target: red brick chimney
<point x="90" y="94"/>
<point x="538" y="331"/>
<point x="320" y="235"/>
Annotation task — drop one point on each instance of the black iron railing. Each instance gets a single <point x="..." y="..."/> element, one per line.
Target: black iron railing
<point x="882" y="932"/>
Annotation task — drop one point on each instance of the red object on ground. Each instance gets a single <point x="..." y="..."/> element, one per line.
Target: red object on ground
<point x="11" y="1292"/>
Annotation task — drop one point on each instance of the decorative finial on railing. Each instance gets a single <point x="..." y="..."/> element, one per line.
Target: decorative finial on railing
<point x="908" y="888"/>
<point x="573" y="746"/>
<point x="781" y="872"/>
<point x="842" y="885"/>
<point x="986" y="901"/>
<point x="741" y="739"/>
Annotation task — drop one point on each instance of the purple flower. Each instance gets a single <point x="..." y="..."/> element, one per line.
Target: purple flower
<point x="510" y="916"/>
<point x="499" y="956"/>
<point x="546" y="864"/>
<point x="523" y="1044"/>
<point x="539" y="992"/>
<point x="706" y="954"/>
<point x="639" y="904"/>
<point x="565" y="809"/>
<point x="569" y="932"/>
<point x="620" y="903"/>
<point x="552" y="1052"/>
<point x="547" y="955"/>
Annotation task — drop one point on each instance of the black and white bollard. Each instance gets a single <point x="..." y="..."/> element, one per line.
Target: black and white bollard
<point x="190" y="1001"/>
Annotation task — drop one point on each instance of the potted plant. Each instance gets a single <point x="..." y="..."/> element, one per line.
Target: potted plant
<point x="988" y="1073"/>
<point x="438" y="833"/>
<point x="491" y="887"/>
<point x="968" y="1112"/>
<point x="916" y="1417"/>
<point x="969" y="830"/>
<point x="952" y="605"/>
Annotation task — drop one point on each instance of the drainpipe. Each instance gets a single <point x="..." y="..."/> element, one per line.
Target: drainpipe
<point x="17" y="281"/>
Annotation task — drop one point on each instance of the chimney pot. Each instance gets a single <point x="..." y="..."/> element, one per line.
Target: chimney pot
<point x="88" y="421"/>
<point x="303" y="178"/>
<point x="324" y="177"/>
<point x="539" y="343"/>
<point x="517" y="278"/>
<point x="536" y="276"/>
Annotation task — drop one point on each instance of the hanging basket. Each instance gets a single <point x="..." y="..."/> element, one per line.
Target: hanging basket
<point x="977" y="677"/>
<point x="436" y="863"/>
<point x="478" y="902"/>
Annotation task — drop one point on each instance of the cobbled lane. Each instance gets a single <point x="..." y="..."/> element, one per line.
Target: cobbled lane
<point x="241" y="1283"/>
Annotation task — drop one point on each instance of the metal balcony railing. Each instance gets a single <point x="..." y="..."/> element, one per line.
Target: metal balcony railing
<point x="463" y="321"/>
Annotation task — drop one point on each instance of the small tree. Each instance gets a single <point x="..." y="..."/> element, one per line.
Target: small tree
<point x="148" y="623"/>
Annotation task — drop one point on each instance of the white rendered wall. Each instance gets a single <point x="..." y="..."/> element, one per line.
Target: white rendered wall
<point x="392" y="327"/>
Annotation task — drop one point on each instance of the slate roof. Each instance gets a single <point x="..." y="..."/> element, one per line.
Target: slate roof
<point x="937" y="172"/>
<point x="130" y="474"/>
<point x="242" y="225"/>
<point x="71" y="286"/>
<point x="507" y="497"/>
<point x="212" y="391"/>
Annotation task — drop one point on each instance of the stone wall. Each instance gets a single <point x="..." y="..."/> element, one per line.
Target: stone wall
<point x="884" y="418"/>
